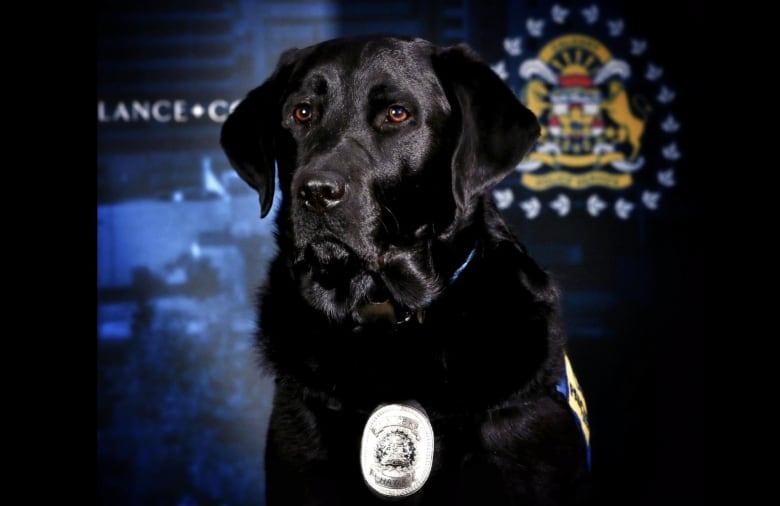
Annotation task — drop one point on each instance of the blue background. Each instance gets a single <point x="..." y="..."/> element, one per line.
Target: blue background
<point x="182" y="405"/>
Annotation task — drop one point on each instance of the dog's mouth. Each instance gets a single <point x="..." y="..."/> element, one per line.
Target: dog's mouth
<point x="330" y="263"/>
<point x="336" y="279"/>
<point x="367" y="288"/>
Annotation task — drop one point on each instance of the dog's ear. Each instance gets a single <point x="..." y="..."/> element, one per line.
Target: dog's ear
<point x="495" y="132"/>
<point x="250" y="133"/>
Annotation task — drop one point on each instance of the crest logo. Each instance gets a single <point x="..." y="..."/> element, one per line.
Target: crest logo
<point x="608" y="129"/>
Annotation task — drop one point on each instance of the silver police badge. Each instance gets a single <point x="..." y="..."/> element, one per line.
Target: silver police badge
<point x="396" y="453"/>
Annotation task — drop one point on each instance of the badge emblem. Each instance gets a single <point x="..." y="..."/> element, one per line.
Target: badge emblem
<point x="396" y="453"/>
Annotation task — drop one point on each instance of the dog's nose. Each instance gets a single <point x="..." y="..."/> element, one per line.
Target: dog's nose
<point x="321" y="192"/>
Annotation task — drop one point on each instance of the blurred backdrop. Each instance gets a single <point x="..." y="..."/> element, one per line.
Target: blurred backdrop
<point x="609" y="202"/>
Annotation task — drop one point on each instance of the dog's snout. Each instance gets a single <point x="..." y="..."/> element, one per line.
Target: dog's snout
<point x="321" y="192"/>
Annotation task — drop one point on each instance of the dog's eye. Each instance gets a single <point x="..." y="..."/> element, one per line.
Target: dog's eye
<point x="397" y="114"/>
<point x="302" y="113"/>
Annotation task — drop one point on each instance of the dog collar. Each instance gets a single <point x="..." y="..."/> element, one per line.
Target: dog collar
<point x="378" y="312"/>
<point x="463" y="266"/>
<point x="571" y="390"/>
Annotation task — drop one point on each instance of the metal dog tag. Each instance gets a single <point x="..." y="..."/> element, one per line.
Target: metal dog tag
<point x="396" y="453"/>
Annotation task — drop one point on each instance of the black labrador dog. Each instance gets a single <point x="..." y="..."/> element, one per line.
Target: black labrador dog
<point x="416" y="347"/>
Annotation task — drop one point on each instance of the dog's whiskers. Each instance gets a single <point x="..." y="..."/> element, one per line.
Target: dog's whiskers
<point x="384" y="225"/>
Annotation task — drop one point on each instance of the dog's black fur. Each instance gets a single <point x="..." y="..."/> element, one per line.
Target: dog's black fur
<point x="386" y="151"/>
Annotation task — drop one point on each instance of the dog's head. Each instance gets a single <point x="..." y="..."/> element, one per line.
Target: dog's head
<point x="385" y="148"/>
